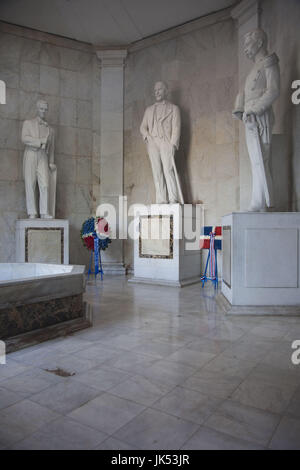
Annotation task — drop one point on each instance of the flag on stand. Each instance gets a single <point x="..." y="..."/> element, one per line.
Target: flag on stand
<point x="205" y="237"/>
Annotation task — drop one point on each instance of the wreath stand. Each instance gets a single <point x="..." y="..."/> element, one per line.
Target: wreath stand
<point x="97" y="260"/>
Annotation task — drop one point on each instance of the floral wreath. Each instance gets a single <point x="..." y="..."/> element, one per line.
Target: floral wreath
<point x="95" y="227"/>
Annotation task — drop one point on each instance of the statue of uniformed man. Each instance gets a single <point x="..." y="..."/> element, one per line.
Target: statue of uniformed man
<point x="160" y="129"/>
<point x="38" y="164"/>
<point x="254" y="106"/>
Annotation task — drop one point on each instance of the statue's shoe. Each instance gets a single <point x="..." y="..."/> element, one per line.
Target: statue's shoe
<point x="257" y="209"/>
<point x="32" y="216"/>
<point x="46" y="216"/>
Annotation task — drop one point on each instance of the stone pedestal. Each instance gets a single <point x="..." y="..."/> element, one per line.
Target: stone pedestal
<point x="261" y="261"/>
<point x="42" y="241"/>
<point x="168" y="256"/>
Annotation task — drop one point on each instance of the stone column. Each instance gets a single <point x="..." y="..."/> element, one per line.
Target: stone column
<point x="111" y="145"/>
<point x="247" y="17"/>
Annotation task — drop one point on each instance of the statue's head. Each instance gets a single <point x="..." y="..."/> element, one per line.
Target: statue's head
<point x="254" y="41"/>
<point x="42" y="108"/>
<point x="160" y="91"/>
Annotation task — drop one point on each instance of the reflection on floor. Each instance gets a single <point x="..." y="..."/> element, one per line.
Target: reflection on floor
<point x="161" y="368"/>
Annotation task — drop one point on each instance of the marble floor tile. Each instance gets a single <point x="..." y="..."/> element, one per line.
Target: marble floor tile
<point x="210" y="346"/>
<point x="22" y="419"/>
<point x="244" y="422"/>
<point x="98" y="352"/>
<point x="7" y="397"/>
<point x="293" y="333"/>
<point x="69" y="345"/>
<point x="245" y="350"/>
<point x="131" y="362"/>
<point x="158" y="350"/>
<point x="293" y="408"/>
<point x="102" y="379"/>
<point x="70" y="363"/>
<point x="30" y="382"/>
<point x="268" y="331"/>
<point x="36" y="356"/>
<point x="188" y="404"/>
<point x="40" y="347"/>
<point x="210" y="439"/>
<point x="191" y="357"/>
<point x="287" y="435"/>
<point x="213" y="383"/>
<point x="226" y="332"/>
<point x="62" y="434"/>
<point x="179" y="340"/>
<point x="99" y="332"/>
<point x="114" y="444"/>
<point x="274" y="374"/>
<point x="12" y="368"/>
<point x="107" y="413"/>
<point x="168" y="372"/>
<point x="230" y="366"/>
<point x="66" y="396"/>
<point x="280" y="356"/>
<point x="263" y="394"/>
<point x="141" y="390"/>
<point x="154" y="429"/>
<point x="126" y="342"/>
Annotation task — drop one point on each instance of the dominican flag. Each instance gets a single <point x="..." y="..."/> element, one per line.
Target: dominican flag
<point x="205" y="237"/>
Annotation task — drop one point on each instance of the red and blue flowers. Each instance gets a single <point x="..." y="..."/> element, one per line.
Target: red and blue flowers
<point x="95" y="227"/>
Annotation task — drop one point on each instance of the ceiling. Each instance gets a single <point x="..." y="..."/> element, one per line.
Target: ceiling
<point x="106" y="22"/>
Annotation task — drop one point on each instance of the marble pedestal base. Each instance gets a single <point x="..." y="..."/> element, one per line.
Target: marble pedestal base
<point x="113" y="269"/>
<point x="261" y="262"/>
<point x="42" y="241"/>
<point x="172" y="261"/>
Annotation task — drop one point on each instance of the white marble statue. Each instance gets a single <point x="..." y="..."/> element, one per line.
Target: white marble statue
<point x="38" y="164"/>
<point x="254" y="106"/>
<point x="160" y="129"/>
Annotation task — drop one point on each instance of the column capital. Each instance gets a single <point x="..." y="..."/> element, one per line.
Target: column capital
<point x="245" y="10"/>
<point x="112" y="57"/>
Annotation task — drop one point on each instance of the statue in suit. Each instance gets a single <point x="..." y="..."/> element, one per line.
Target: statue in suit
<point x="160" y="129"/>
<point x="254" y="106"/>
<point x="38" y="164"/>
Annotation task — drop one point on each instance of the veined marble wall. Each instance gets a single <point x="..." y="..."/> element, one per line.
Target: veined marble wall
<point x="66" y="73"/>
<point x="281" y="22"/>
<point x="200" y="68"/>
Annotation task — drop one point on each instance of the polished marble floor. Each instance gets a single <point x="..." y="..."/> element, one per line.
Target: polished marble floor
<point x="162" y="368"/>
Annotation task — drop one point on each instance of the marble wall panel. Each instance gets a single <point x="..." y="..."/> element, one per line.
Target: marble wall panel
<point x="50" y="55"/>
<point x="30" y="76"/>
<point x="66" y="169"/>
<point x="49" y="80"/>
<point x="83" y="170"/>
<point x="68" y="83"/>
<point x="7" y="239"/>
<point x="9" y="164"/>
<point x="11" y="109"/>
<point x="84" y="114"/>
<point x="31" y="51"/>
<point x="35" y="66"/>
<point x="68" y="112"/>
<point x="84" y="142"/>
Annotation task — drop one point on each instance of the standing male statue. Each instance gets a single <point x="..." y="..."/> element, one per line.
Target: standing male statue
<point x="160" y="129"/>
<point x="38" y="164"/>
<point x="254" y="106"/>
